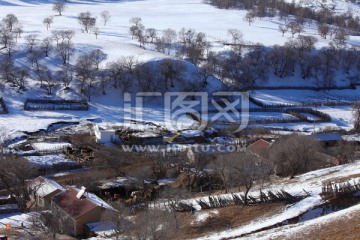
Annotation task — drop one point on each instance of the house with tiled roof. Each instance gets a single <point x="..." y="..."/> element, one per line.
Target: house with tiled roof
<point x="260" y="144"/>
<point x="77" y="207"/>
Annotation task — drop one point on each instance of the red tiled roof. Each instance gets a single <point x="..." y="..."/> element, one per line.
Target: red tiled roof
<point x="72" y="205"/>
<point x="259" y="144"/>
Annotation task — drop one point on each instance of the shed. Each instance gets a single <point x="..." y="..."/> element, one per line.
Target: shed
<point x="104" y="135"/>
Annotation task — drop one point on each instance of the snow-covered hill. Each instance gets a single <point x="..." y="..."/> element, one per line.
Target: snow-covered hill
<point x="114" y="39"/>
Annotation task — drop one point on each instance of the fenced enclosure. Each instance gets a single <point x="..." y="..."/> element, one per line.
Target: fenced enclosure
<point x="53" y="105"/>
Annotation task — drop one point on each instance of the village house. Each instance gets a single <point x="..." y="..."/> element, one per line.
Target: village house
<point x="76" y="207"/>
<point x="42" y="190"/>
<point x="260" y="147"/>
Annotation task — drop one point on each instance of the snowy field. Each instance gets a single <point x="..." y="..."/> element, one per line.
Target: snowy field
<point x="50" y="160"/>
<point x="115" y="41"/>
<point x="273" y="97"/>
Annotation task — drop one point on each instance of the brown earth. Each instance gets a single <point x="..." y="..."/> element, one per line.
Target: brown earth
<point x="226" y="218"/>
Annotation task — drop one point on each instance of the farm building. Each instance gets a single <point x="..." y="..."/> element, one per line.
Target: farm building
<point x="77" y="207"/>
<point x="259" y="145"/>
<point x="104" y="135"/>
<point x="42" y="190"/>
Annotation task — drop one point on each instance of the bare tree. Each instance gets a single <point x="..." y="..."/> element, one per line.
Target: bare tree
<point x="129" y="63"/>
<point x="48" y="224"/>
<point x="48" y="21"/>
<point x="295" y="154"/>
<point x="13" y="175"/>
<point x="46" y="45"/>
<point x="87" y="21"/>
<point x="10" y="46"/>
<point x="67" y="35"/>
<point x="225" y="171"/>
<point x="173" y="197"/>
<point x="151" y="34"/>
<point x="323" y="30"/>
<point x="149" y="80"/>
<point x="171" y="70"/>
<point x="105" y="16"/>
<point x="135" y="20"/>
<point x="250" y="16"/>
<point x="34" y="58"/>
<point x="341" y="36"/>
<point x="31" y="41"/>
<point x="65" y="50"/>
<point x="153" y="224"/>
<point x="96" y="32"/>
<point x="45" y="75"/>
<point x="10" y="21"/>
<point x="97" y="56"/>
<point x="236" y="36"/>
<point x="356" y="115"/>
<point x="6" y="69"/>
<point x="59" y="6"/>
<point x="294" y="27"/>
<point x="169" y="37"/>
<point x="19" y="76"/>
<point x="137" y="31"/>
<point x="56" y="36"/>
<point x="283" y="29"/>
<point x="5" y="36"/>
<point x="17" y="31"/>
<point x="120" y="219"/>
<point x="65" y="75"/>
<point x="249" y="169"/>
<point x="85" y="70"/>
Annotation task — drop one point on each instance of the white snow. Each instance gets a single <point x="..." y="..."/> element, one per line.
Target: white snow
<point x="49" y="160"/>
<point x="16" y="219"/>
<point x="203" y="216"/>
<point x="48" y="146"/>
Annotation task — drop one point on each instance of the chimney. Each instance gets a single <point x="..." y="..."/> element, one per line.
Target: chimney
<point x="81" y="192"/>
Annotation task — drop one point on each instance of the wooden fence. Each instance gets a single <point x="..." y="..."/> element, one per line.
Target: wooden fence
<point x="239" y="199"/>
<point x="52" y="105"/>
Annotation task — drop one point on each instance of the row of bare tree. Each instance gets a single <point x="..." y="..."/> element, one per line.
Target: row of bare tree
<point x="282" y="9"/>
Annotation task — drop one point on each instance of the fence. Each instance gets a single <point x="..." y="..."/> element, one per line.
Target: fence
<point x="351" y="86"/>
<point x="330" y="189"/>
<point x="239" y="199"/>
<point x="294" y="111"/>
<point x="46" y="105"/>
<point x="331" y="103"/>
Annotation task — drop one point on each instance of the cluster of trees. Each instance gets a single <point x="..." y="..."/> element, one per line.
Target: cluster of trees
<point x="249" y="65"/>
<point x="243" y="66"/>
<point x="59" y="43"/>
<point x="10" y="31"/>
<point x="281" y="8"/>
<point x="187" y="43"/>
